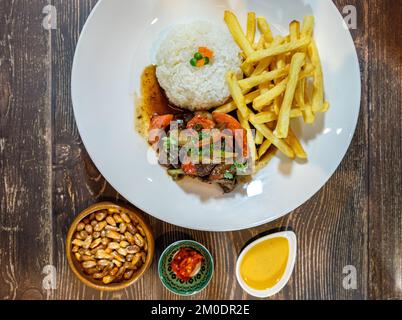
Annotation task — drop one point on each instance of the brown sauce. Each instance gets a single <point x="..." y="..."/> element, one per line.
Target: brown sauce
<point x="153" y="100"/>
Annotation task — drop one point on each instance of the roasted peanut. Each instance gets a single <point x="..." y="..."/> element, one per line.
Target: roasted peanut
<point x="110" y="221"/>
<point x="93" y="223"/>
<point x="113" y="235"/>
<point x="136" y="259"/>
<point x="114" y="271"/>
<point x="87" y="242"/>
<point x="88" y="264"/>
<point x="117" y="218"/>
<point x="113" y="210"/>
<point x="105" y="241"/>
<point x="141" y="230"/>
<point x="113" y="228"/>
<point x="124" y="244"/>
<point x="78" y="242"/>
<point x="101" y="254"/>
<point x="125" y="217"/>
<point x="113" y="245"/>
<point x="133" y="249"/>
<point x="96" y="234"/>
<point x="117" y="263"/>
<point x="75" y="249"/>
<point x="89" y="229"/>
<point x="100" y="215"/>
<point x="80" y="226"/>
<point x="103" y="263"/>
<point x="108" y="279"/>
<point x="139" y="240"/>
<point x="95" y="243"/>
<point x="90" y="271"/>
<point x="83" y="234"/>
<point x="129" y="237"/>
<point x="128" y="274"/>
<point x="131" y="228"/>
<point x="87" y="258"/>
<point x="122" y="251"/>
<point x="100" y="225"/>
<point x="122" y="227"/>
<point x="117" y="256"/>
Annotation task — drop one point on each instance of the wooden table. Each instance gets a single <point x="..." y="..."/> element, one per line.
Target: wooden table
<point x="47" y="176"/>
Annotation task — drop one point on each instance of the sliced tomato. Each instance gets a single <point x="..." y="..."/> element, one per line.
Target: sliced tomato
<point x="161" y="122"/>
<point x="189" y="168"/>
<point x="200" y="120"/>
<point x="226" y="121"/>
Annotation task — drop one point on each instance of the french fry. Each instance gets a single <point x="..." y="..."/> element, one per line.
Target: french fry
<point x="254" y="81"/>
<point x="264" y="147"/>
<point x="265" y="29"/>
<point x="266" y="98"/>
<point x="270" y="116"/>
<point x="266" y="158"/>
<point x="264" y="63"/>
<point x="277" y="142"/>
<point x="251" y="27"/>
<point x="294" y="30"/>
<point x="250" y="139"/>
<point x="259" y="138"/>
<point x="260" y="43"/>
<point x="308" y="26"/>
<point x="325" y="107"/>
<point x="308" y="115"/>
<point x="257" y="56"/>
<point x="247" y="68"/>
<point x="282" y="127"/>
<point x="318" y="83"/>
<point x="231" y="106"/>
<point x="237" y="94"/>
<point x="296" y="145"/>
<point x="237" y="33"/>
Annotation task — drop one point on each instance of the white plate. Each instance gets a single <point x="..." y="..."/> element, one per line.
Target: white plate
<point x="119" y="40"/>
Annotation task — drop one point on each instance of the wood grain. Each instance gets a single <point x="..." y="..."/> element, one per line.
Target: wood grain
<point x="385" y="149"/>
<point x="354" y="220"/>
<point x="25" y="145"/>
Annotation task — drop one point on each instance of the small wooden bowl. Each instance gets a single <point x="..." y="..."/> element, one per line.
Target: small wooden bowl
<point x="97" y="284"/>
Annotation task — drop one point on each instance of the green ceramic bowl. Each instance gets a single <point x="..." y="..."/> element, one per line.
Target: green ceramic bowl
<point x="196" y="284"/>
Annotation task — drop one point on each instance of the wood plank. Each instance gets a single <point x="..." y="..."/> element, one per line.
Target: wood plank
<point x="385" y="149"/>
<point x="25" y="144"/>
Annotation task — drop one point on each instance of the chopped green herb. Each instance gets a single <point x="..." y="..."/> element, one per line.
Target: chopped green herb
<point x="228" y="175"/>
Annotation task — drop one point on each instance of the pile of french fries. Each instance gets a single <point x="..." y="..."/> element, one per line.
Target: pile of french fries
<point x="283" y="80"/>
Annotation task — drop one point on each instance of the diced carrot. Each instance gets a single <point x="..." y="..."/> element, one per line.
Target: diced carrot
<point x="206" y="52"/>
<point x="200" y="63"/>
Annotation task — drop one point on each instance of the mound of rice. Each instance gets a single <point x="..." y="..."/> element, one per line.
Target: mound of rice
<point x="196" y="88"/>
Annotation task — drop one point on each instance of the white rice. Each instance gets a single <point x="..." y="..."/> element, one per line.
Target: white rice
<point x="196" y="88"/>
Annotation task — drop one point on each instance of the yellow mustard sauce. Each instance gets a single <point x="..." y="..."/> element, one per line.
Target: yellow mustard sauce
<point x="264" y="265"/>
